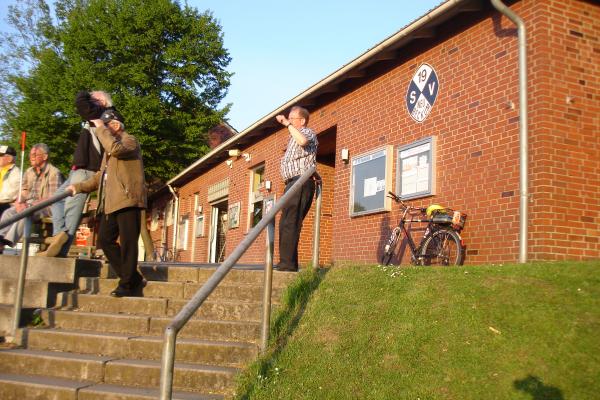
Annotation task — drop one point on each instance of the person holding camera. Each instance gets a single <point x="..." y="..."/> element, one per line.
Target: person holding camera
<point x="66" y="213"/>
<point x="122" y="196"/>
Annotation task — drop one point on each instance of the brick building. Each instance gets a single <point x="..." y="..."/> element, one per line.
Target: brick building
<point x="431" y="113"/>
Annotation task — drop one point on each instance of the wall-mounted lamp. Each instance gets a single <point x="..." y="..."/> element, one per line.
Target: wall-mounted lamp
<point x="345" y="155"/>
<point x="267" y="185"/>
<point x="247" y="156"/>
<point x="229" y="163"/>
<point x="234" y="153"/>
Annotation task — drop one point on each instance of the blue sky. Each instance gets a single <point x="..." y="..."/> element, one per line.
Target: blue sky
<point x="279" y="49"/>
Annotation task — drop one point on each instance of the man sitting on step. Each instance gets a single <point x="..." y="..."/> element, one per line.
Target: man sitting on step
<point x="39" y="182"/>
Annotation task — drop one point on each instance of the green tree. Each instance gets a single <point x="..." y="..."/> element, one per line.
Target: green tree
<point x="163" y="64"/>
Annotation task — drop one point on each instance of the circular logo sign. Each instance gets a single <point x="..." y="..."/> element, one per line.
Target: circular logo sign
<point x="422" y="91"/>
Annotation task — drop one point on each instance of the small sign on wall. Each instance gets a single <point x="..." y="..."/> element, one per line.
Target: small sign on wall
<point x="422" y="92"/>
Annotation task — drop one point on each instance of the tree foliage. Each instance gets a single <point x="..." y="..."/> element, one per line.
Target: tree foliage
<point x="163" y="64"/>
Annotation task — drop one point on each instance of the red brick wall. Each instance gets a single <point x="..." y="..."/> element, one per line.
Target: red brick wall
<point x="476" y="122"/>
<point x="564" y="130"/>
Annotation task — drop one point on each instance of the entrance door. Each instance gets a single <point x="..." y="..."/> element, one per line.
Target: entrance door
<point x="218" y="230"/>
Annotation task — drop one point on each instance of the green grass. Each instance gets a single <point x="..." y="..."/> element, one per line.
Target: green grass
<point x="478" y="332"/>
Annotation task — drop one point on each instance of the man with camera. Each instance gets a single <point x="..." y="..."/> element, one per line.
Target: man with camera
<point x="66" y="214"/>
<point x="122" y="196"/>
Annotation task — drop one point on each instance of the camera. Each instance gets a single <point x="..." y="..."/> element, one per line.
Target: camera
<point x="108" y="116"/>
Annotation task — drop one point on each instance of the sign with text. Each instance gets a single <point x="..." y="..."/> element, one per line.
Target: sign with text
<point x="422" y="92"/>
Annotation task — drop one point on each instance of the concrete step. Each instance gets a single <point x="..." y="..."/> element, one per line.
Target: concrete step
<point x="20" y="387"/>
<point x="37" y="294"/>
<point x="89" y="368"/>
<point x="6" y="317"/>
<point x="51" y="269"/>
<point x="232" y="354"/>
<point x="199" y="273"/>
<point x="186" y="377"/>
<point x="105" y="391"/>
<point x="216" y="310"/>
<point x="243" y="331"/>
<point x="183" y="290"/>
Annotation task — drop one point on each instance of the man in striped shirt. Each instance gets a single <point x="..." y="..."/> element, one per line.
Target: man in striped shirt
<point x="300" y="155"/>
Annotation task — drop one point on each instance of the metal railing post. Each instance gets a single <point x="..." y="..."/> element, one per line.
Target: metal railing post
<point x="21" y="279"/>
<point x="168" y="365"/>
<point x="266" y="315"/>
<point x="317" y="227"/>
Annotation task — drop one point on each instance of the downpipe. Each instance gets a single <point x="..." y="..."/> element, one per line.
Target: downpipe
<point x="523" y="134"/>
<point x="175" y="220"/>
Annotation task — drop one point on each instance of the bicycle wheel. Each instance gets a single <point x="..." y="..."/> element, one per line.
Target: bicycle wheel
<point x="443" y="247"/>
<point x="390" y="246"/>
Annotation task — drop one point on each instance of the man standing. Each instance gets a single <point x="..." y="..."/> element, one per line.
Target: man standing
<point x="300" y="156"/>
<point x="9" y="177"/>
<point x="66" y="213"/>
<point x="39" y="182"/>
<point x="122" y="196"/>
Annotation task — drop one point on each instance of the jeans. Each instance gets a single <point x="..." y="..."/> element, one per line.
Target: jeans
<point x="66" y="213"/>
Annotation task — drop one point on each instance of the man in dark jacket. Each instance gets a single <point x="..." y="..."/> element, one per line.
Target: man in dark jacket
<point x="122" y="194"/>
<point x="66" y="214"/>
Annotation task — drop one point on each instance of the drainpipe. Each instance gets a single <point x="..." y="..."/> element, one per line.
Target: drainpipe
<point x="523" y="144"/>
<point x="176" y="219"/>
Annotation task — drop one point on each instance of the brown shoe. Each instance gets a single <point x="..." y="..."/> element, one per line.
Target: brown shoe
<point x="50" y="239"/>
<point x="56" y="245"/>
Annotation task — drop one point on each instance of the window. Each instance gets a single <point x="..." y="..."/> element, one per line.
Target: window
<point x="183" y="233"/>
<point x="257" y="183"/>
<point x="416" y="167"/>
<point x="370" y="181"/>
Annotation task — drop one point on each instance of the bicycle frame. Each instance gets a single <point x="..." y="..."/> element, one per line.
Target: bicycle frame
<point x="417" y="249"/>
<point x="414" y="249"/>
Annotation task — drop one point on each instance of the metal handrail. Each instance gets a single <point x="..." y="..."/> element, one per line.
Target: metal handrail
<point x="168" y="355"/>
<point x="28" y="215"/>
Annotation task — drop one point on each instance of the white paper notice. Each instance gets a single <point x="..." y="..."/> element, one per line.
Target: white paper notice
<point x="370" y="187"/>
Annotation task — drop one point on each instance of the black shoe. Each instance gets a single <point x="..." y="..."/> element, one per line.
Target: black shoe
<point x="138" y="290"/>
<point x="120" y="292"/>
<point x="285" y="268"/>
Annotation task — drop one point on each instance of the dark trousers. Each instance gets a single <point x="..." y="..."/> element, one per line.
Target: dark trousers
<point x="123" y="256"/>
<point x="290" y="224"/>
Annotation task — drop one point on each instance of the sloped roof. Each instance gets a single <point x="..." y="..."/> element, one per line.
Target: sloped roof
<point x="388" y="49"/>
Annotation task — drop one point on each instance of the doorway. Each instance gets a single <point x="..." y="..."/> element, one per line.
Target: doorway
<point x="218" y="232"/>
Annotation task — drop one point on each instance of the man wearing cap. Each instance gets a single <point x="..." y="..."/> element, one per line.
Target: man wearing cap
<point x="9" y="177"/>
<point x="39" y="183"/>
<point x="66" y="213"/>
<point x="122" y="196"/>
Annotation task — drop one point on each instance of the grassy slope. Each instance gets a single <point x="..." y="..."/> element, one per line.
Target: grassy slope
<point x="485" y="332"/>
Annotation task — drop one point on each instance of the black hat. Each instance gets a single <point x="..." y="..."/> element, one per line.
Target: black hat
<point x="8" y="150"/>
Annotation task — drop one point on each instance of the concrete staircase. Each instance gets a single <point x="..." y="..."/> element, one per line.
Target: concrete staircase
<point x="98" y="347"/>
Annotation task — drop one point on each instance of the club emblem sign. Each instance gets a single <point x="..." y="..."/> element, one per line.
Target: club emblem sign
<point x="422" y="92"/>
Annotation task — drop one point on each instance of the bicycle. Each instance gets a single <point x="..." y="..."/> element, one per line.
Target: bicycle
<point x="440" y="245"/>
<point x="162" y="253"/>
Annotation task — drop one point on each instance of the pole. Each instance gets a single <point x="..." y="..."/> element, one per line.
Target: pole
<point x="23" y="138"/>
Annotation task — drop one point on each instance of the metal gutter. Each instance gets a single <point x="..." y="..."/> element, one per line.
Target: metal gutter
<point x="523" y="134"/>
<point x="175" y="220"/>
<point x="369" y="54"/>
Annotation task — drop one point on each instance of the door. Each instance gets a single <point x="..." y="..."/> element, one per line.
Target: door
<point x="218" y="230"/>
